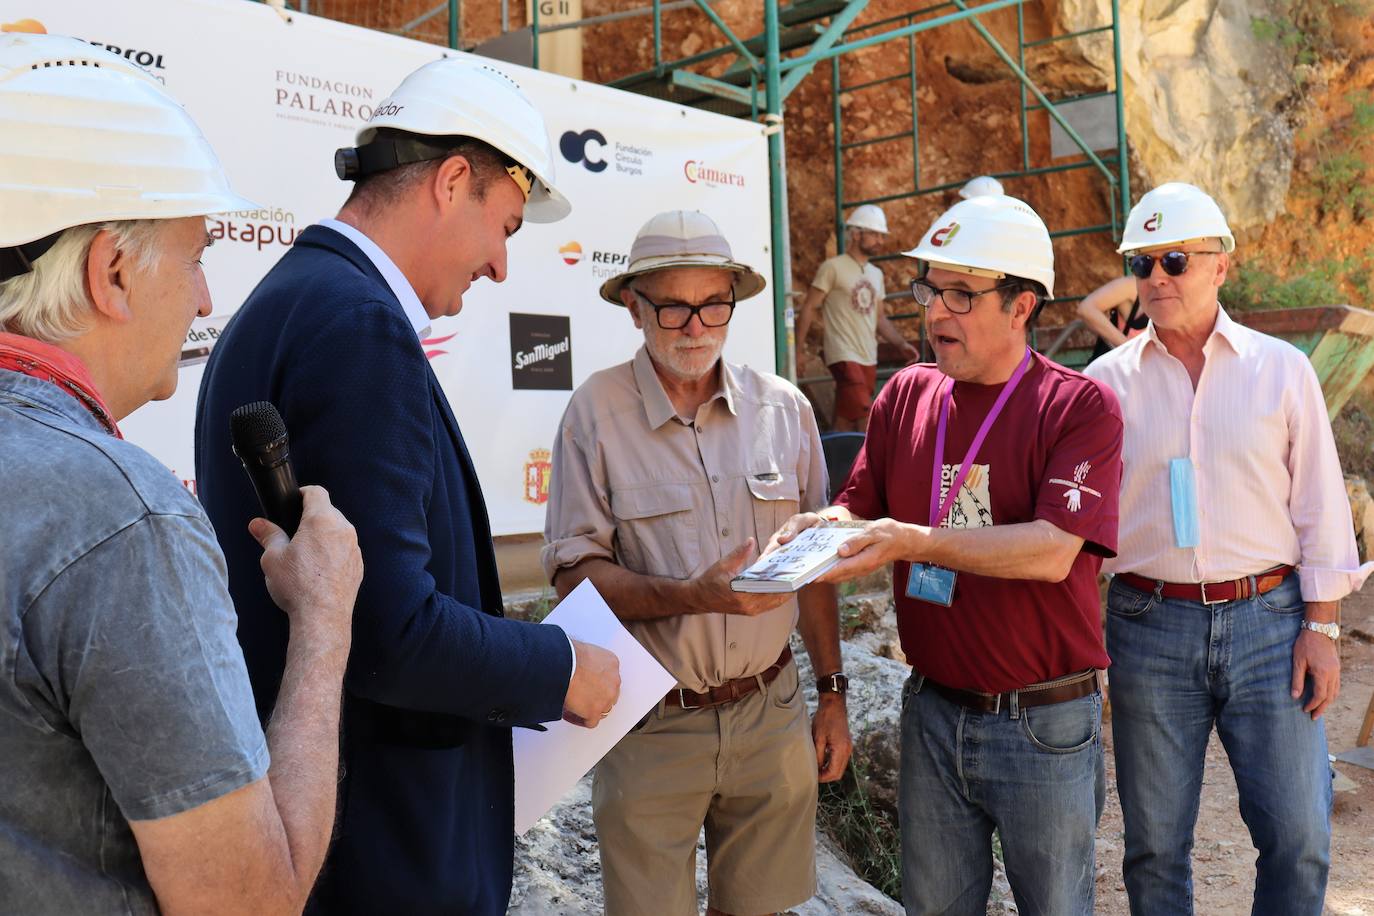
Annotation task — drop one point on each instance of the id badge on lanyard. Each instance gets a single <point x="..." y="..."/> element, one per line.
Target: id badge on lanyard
<point x="927" y="582"/>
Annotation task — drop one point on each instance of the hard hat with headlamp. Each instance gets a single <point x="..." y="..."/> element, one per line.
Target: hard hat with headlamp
<point x="453" y="98"/>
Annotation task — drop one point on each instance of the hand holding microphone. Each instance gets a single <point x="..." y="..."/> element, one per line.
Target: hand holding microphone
<point x="310" y="554"/>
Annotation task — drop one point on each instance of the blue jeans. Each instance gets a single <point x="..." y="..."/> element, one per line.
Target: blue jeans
<point x="1035" y="775"/>
<point x="1178" y="668"/>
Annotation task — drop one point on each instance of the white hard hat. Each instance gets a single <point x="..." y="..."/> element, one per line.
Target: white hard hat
<point x="90" y="137"/>
<point x="868" y="216"/>
<point x="682" y="238"/>
<point x="991" y="236"/>
<point x="1174" y="213"/>
<point x="463" y="97"/>
<point x="983" y="184"/>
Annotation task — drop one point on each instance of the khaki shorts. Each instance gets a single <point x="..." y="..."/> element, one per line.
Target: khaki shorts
<point x="747" y="772"/>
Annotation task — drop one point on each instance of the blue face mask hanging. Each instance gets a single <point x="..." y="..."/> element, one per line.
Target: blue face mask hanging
<point x="1183" y="492"/>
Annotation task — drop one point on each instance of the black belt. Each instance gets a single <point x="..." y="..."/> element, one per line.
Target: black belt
<point x="1061" y="690"/>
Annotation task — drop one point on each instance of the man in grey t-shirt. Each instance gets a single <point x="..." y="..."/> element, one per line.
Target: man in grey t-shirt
<point x="136" y="777"/>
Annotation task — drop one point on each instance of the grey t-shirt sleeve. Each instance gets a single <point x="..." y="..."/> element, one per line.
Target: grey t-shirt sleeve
<point x="138" y="635"/>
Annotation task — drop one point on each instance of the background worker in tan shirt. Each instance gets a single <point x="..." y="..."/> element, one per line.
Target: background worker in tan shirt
<point x="668" y="472"/>
<point x="849" y="289"/>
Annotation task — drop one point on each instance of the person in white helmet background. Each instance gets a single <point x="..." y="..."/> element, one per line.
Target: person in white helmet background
<point x="668" y="471"/>
<point x="455" y="159"/>
<point x="1236" y="548"/>
<point x="137" y="778"/>
<point x="991" y="481"/>
<point x="849" y="289"/>
<point x="981" y="186"/>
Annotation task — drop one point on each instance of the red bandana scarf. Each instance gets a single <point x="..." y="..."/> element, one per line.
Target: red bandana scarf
<point x="53" y="364"/>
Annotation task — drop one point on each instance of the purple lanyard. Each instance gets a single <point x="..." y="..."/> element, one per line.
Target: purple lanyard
<point x="939" y="510"/>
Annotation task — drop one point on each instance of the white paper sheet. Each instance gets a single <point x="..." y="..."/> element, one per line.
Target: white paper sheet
<point x="549" y="763"/>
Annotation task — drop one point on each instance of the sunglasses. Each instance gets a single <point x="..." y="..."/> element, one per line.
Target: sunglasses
<point x="1175" y="263"/>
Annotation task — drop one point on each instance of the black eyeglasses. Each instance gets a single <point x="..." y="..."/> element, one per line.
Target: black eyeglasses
<point x="1175" y="263"/>
<point x="713" y="314"/>
<point x="958" y="301"/>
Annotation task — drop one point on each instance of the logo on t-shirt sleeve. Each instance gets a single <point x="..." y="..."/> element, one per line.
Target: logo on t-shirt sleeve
<point x="1073" y="495"/>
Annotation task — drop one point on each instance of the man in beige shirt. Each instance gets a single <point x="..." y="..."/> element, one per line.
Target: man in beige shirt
<point x="849" y="289"/>
<point x="668" y="473"/>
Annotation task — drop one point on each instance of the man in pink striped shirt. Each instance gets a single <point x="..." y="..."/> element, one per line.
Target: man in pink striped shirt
<point x="1235" y="548"/>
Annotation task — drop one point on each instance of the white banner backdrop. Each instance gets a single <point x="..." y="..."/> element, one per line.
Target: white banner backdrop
<point x="276" y="98"/>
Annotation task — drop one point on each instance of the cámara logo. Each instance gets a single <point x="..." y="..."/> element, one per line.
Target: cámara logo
<point x="1155" y="222"/>
<point x="945" y="235"/>
<point x="698" y="172"/>
<point x="538" y="470"/>
<point x="571" y="252"/>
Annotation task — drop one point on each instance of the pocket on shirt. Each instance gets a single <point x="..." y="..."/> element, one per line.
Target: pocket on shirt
<point x="776" y="498"/>
<point x="656" y="532"/>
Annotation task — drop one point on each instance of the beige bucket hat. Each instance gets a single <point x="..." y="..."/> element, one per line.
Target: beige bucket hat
<point x="682" y="238"/>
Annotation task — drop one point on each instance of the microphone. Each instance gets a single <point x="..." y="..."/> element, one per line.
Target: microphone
<point x="259" y="437"/>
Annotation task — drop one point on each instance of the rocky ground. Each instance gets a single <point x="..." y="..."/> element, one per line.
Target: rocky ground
<point x="558" y="874"/>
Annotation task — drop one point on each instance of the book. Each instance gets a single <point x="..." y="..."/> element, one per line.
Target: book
<point x="799" y="561"/>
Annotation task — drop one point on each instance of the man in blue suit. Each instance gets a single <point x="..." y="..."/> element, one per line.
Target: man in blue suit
<point x="446" y="171"/>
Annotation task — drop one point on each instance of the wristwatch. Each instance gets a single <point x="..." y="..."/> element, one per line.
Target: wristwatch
<point x="1330" y="630"/>
<point x="833" y="683"/>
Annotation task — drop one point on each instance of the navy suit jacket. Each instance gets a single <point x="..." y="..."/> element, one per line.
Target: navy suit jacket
<point x="437" y="676"/>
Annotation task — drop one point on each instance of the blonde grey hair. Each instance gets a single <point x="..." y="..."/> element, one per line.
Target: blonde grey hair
<point x="51" y="302"/>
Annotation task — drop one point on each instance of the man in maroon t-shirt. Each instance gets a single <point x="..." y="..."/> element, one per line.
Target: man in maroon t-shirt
<point x="996" y="588"/>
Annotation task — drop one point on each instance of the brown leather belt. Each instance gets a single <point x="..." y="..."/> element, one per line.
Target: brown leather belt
<point x="730" y="691"/>
<point x="1060" y="690"/>
<point x="1211" y="592"/>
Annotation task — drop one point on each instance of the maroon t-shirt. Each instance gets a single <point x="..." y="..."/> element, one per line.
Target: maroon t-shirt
<point x="1054" y="453"/>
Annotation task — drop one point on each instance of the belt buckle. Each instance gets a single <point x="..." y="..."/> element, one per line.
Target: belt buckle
<point x="682" y="699"/>
<point x="1209" y="602"/>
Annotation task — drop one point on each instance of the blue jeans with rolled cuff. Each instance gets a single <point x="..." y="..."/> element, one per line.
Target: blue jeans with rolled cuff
<point x="1180" y="668"/>
<point x="1033" y="775"/>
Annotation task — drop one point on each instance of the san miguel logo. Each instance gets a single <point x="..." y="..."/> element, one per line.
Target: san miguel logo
<point x="944" y="235"/>
<point x="571" y="253"/>
<point x="1154" y="223"/>
<point x="538" y="470"/>
<point x="698" y="172"/>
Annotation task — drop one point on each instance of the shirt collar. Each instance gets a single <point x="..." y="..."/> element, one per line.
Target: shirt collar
<point x="400" y="286"/>
<point x="658" y="407"/>
<point x="1225" y="328"/>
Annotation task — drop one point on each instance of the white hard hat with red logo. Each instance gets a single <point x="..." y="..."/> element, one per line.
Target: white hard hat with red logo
<point x="990" y="236"/>
<point x="868" y="216"/>
<point x="462" y="97"/>
<point x="89" y="137"/>
<point x="1173" y="214"/>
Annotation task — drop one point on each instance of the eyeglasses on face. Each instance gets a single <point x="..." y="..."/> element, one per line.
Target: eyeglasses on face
<point x="713" y="314"/>
<point x="958" y="301"/>
<point x="1175" y="263"/>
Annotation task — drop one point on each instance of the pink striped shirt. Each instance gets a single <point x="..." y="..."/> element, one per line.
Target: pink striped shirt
<point x="1269" y="484"/>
